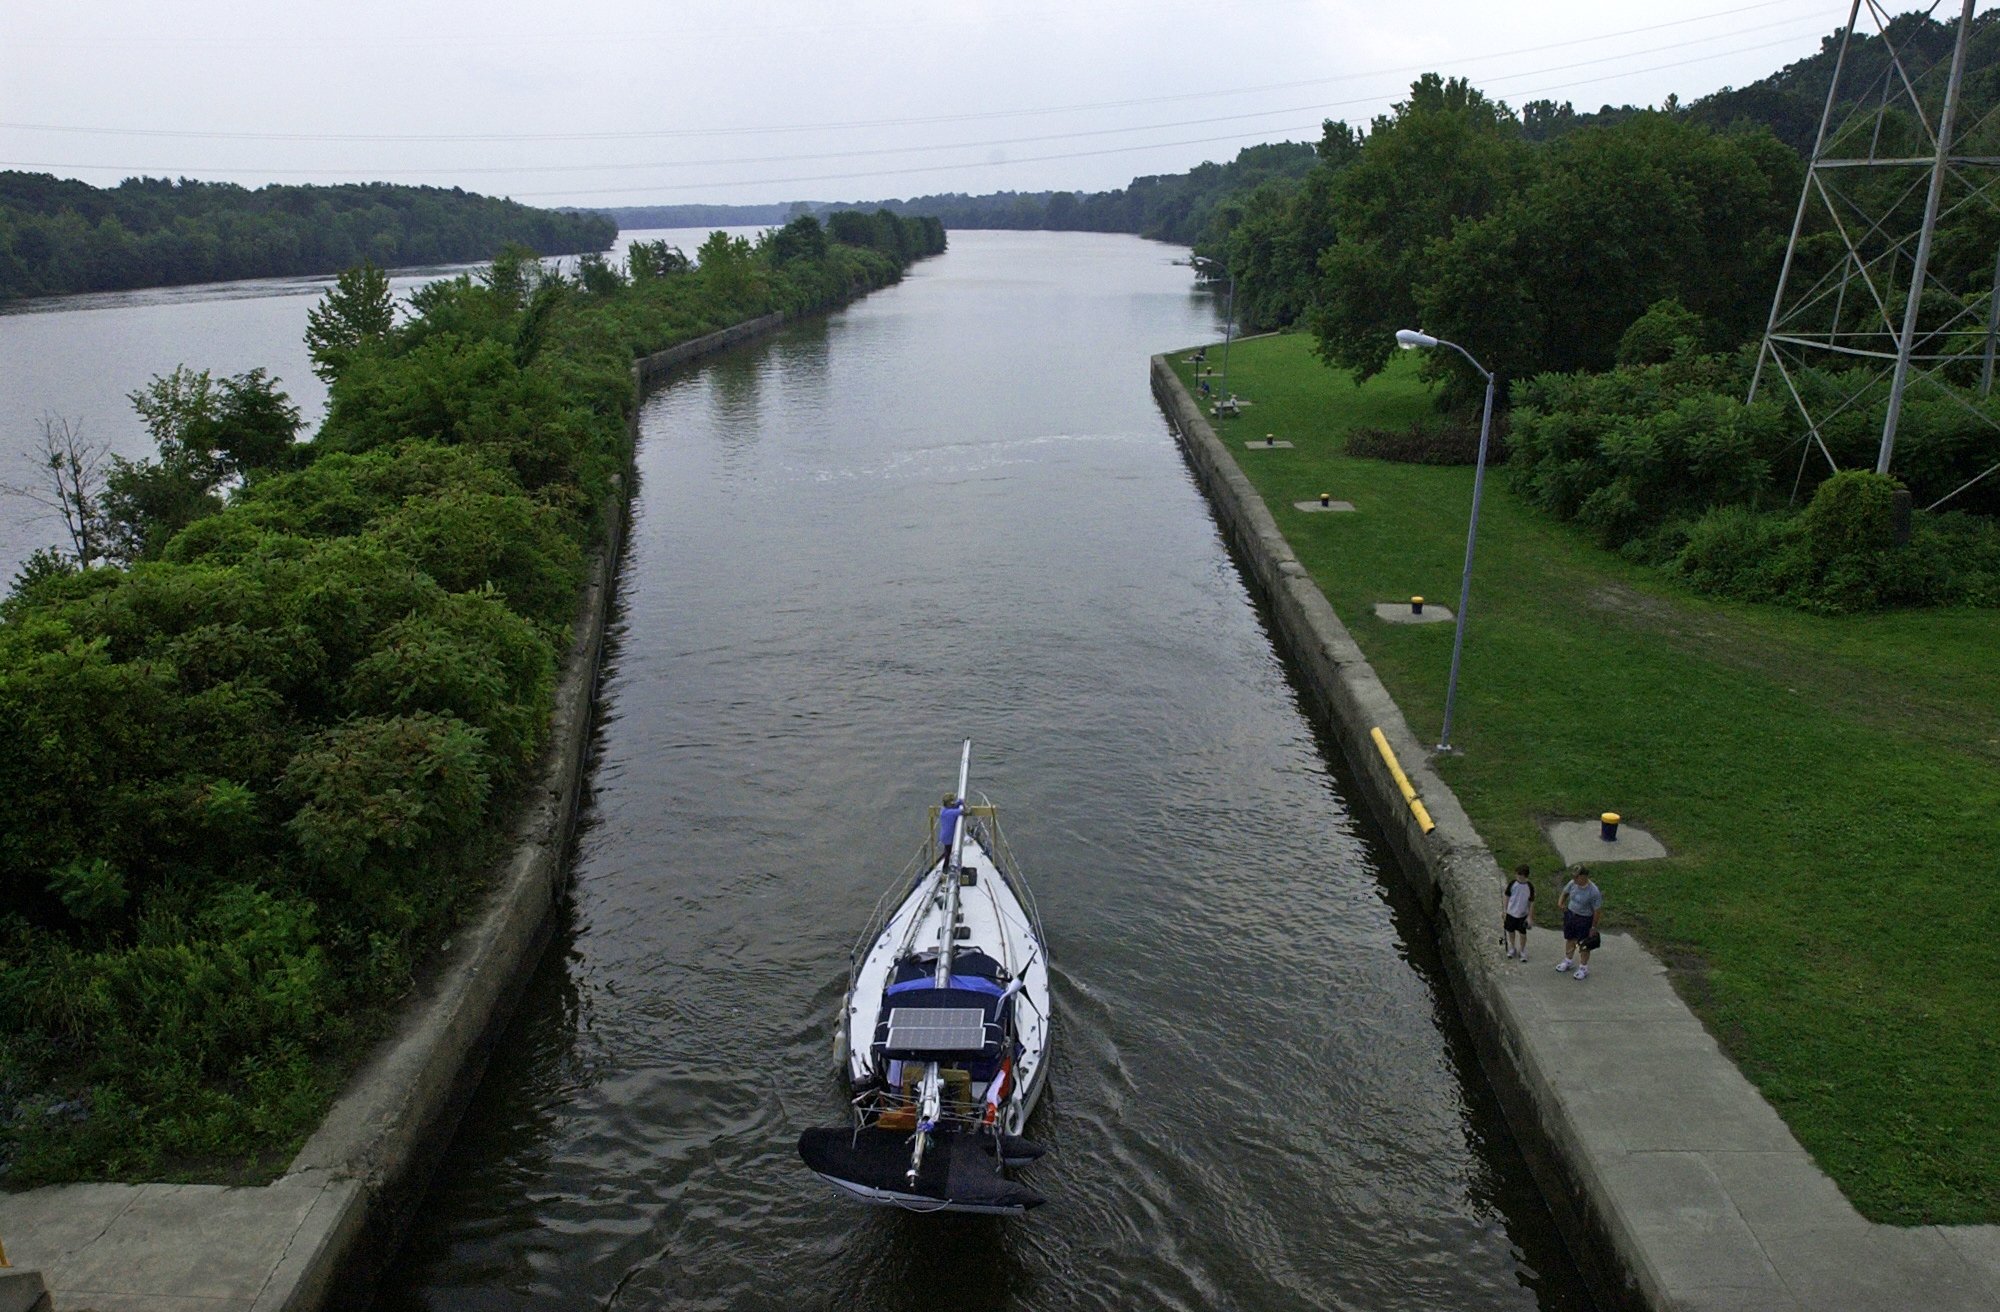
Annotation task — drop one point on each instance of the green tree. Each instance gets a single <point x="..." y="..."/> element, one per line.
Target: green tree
<point x="647" y="260"/>
<point x="801" y="239"/>
<point x="1447" y="155"/>
<point x="356" y="312"/>
<point x="1613" y="220"/>
<point x="206" y="433"/>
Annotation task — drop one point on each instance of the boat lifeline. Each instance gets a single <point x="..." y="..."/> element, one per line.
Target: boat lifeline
<point x="945" y="1031"/>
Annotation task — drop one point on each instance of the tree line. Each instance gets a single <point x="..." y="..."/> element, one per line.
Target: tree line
<point x="266" y="720"/>
<point x="1616" y="270"/>
<point x="59" y="236"/>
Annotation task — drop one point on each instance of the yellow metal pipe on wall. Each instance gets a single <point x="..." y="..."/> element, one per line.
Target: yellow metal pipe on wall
<point x="1424" y="820"/>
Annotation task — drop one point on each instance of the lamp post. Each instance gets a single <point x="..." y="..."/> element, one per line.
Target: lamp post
<point x="1411" y="340"/>
<point x="1228" y="333"/>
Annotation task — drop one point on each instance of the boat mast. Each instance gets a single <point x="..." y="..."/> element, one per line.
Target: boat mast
<point x="948" y="933"/>
<point x="933" y="1098"/>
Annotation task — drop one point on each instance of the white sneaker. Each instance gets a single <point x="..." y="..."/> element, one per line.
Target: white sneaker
<point x="1581" y="971"/>
<point x="1564" y="964"/>
<point x="1524" y="956"/>
<point x="1510" y="953"/>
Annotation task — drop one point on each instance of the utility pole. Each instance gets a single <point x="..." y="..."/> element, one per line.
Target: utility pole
<point x="1840" y="331"/>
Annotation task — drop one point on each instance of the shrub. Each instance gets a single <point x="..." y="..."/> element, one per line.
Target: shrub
<point x="1665" y="330"/>
<point x="466" y="656"/>
<point x="1851" y="515"/>
<point x="378" y="794"/>
<point x="1630" y="450"/>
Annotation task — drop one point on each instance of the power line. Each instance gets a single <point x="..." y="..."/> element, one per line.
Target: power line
<point x="1043" y="159"/>
<point x="509" y="170"/>
<point x="648" y="134"/>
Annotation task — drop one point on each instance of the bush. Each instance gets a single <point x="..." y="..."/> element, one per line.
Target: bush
<point x="1951" y="559"/>
<point x="1851" y="516"/>
<point x="1734" y="551"/>
<point x="1628" y="451"/>
<point x="1665" y="330"/>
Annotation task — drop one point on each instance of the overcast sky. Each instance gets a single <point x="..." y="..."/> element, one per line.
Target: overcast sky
<point x="744" y="101"/>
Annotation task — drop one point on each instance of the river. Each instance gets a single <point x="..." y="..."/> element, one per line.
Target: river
<point x="949" y="510"/>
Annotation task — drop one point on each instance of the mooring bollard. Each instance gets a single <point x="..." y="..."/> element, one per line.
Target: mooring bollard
<point x="1607" y="826"/>
<point x="1326" y="498"/>
<point x="1270" y="439"/>
<point x="1416" y="605"/>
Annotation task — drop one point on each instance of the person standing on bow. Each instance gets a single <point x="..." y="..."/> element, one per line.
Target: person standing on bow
<point x="949" y="815"/>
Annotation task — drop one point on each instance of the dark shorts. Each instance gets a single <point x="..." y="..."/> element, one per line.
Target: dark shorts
<point x="1576" y="928"/>
<point x="1514" y="924"/>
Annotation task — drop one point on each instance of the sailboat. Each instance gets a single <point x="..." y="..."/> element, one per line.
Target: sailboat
<point x="944" y="1034"/>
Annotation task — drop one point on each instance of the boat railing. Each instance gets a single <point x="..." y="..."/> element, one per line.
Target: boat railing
<point x="885" y="905"/>
<point x="987" y="817"/>
<point x="984" y="817"/>
<point x="877" y="1106"/>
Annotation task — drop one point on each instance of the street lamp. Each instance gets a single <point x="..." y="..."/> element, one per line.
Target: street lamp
<point x="1411" y="340"/>
<point x="1228" y="332"/>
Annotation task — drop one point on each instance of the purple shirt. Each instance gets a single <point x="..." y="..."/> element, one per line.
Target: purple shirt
<point x="948" y="823"/>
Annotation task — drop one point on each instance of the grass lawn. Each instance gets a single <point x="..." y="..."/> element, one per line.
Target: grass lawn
<point x="1829" y="787"/>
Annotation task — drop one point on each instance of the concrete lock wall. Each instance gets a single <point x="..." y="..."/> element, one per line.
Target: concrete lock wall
<point x="1450" y="869"/>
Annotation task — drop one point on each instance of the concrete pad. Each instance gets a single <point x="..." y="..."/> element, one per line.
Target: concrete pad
<point x="1693" y="1236"/>
<point x="1313" y="507"/>
<point x="1398" y="612"/>
<point x="44" y="1228"/>
<point x="22" y="1291"/>
<point x="1259" y="444"/>
<point x="1874" y="1268"/>
<point x="1774" y="1189"/>
<point x="1979" y="1245"/>
<point x="1723" y="1298"/>
<point x="187" y="1241"/>
<point x="1578" y="842"/>
<point x="1614" y="1070"/>
<point x="1626" y="984"/>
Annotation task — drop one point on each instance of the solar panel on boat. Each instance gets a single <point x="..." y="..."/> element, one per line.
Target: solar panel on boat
<point x="937" y="1029"/>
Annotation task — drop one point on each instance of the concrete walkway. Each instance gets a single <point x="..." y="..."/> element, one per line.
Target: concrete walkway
<point x="166" y="1247"/>
<point x="1718" y="1202"/>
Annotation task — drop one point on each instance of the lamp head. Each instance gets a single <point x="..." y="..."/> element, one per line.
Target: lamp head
<point x="1410" y="339"/>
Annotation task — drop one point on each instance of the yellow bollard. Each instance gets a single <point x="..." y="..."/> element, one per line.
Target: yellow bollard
<point x="1607" y="826"/>
<point x="1326" y="498"/>
<point x="1416" y="605"/>
<point x="1270" y="439"/>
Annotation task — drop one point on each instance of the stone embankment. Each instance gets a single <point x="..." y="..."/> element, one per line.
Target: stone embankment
<point x="1679" y="1185"/>
<point x="318" y="1235"/>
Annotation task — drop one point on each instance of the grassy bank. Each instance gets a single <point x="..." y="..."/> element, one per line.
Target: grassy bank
<point x="1827" y="786"/>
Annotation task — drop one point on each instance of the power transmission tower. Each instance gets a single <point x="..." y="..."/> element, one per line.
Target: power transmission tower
<point x="1865" y="309"/>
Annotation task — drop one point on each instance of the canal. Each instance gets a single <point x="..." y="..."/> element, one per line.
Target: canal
<point x="953" y="510"/>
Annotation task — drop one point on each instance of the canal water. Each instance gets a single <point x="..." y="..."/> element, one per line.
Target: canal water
<point x="952" y="510"/>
